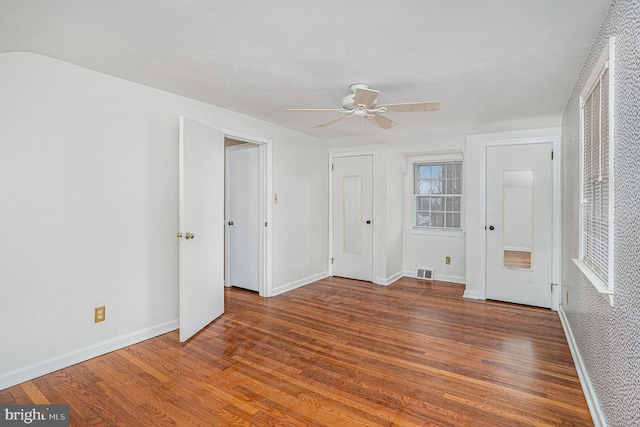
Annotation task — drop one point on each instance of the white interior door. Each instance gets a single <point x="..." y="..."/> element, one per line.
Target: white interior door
<point x="519" y="191"/>
<point x="243" y="216"/>
<point x="201" y="226"/>
<point x="352" y="217"/>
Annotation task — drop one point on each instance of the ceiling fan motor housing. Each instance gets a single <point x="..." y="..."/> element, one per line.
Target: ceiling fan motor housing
<point x="347" y="101"/>
<point x="357" y="86"/>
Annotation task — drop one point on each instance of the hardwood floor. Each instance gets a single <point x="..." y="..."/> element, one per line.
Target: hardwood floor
<point x="337" y="352"/>
<point x="517" y="259"/>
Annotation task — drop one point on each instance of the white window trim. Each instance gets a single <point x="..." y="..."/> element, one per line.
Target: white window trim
<point x="606" y="59"/>
<point x="437" y="158"/>
<point x="453" y="232"/>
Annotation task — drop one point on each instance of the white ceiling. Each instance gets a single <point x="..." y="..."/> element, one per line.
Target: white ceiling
<point x="494" y="65"/>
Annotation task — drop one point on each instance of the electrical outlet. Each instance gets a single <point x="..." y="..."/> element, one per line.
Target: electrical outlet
<point x="98" y="315"/>
<point x="447" y="260"/>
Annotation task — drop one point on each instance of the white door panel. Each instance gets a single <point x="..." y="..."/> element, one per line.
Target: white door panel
<point x="519" y="223"/>
<point x="352" y="217"/>
<point x="201" y="216"/>
<point x="243" y="217"/>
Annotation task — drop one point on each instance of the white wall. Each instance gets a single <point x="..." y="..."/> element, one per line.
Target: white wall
<point x="301" y="216"/>
<point x="88" y="183"/>
<point x="430" y="248"/>
<point x="396" y="170"/>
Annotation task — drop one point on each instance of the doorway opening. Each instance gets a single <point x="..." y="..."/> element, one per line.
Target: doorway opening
<point x="247" y="215"/>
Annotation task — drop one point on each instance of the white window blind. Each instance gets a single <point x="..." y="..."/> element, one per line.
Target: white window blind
<point x="596" y="220"/>
<point x="595" y="196"/>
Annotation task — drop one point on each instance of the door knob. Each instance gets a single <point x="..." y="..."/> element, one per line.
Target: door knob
<point x="179" y="235"/>
<point x="368" y="221"/>
<point x="491" y="227"/>
<point x="230" y="222"/>
<point x="188" y="235"/>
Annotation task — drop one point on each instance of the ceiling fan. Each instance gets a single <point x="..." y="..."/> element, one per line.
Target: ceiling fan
<point x="362" y="103"/>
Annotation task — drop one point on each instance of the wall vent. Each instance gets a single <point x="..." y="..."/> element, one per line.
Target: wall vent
<point x="425" y="273"/>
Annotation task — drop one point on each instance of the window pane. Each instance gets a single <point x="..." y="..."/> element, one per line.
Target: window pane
<point x="448" y="219"/>
<point x="437" y="204"/>
<point x="422" y="203"/>
<point x="438" y="219"/>
<point x="457" y="186"/>
<point x="422" y="219"/>
<point x="438" y="189"/>
<point x="449" y="204"/>
<point x="455" y="222"/>
<point x="456" y="204"/>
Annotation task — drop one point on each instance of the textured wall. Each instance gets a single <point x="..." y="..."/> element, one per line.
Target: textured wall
<point x="609" y="337"/>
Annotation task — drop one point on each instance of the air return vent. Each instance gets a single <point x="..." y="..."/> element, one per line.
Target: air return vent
<point x="425" y="273"/>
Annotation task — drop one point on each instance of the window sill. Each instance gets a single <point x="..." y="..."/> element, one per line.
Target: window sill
<point x="597" y="282"/>
<point x="436" y="232"/>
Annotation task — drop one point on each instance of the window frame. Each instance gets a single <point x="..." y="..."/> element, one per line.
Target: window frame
<point x="604" y="285"/>
<point x="429" y="161"/>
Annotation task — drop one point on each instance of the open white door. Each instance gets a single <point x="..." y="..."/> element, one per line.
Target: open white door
<point x="201" y="226"/>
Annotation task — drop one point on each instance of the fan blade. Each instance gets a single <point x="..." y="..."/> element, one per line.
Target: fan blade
<point x="332" y="121"/>
<point x="341" y="110"/>
<point x="412" y="107"/>
<point x="365" y="97"/>
<point x="383" y="122"/>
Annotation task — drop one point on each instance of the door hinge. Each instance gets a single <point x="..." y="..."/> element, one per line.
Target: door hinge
<point x="266" y="223"/>
<point x="551" y="154"/>
<point x="332" y="166"/>
<point x="332" y="260"/>
<point x="552" y="285"/>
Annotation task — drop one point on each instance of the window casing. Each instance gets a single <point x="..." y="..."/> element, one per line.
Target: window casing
<point x="596" y="180"/>
<point x="438" y="195"/>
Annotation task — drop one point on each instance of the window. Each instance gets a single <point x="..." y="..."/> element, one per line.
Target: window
<point x="596" y="208"/>
<point x="438" y="195"/>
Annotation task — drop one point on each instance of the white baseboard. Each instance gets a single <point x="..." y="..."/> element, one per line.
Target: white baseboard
<point x="17" y="376"/>
<point x="389" y="280"/>
<point x="472" y="294"/>
<point x="298" y="283"/>
<point x="593" y="403"/>
<point x="440" y="277"/>
<point x="452" y="279"/>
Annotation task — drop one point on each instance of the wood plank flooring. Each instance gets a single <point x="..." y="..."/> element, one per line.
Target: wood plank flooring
<point x="517" y="259"/>
<point x="337" y="352"/>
